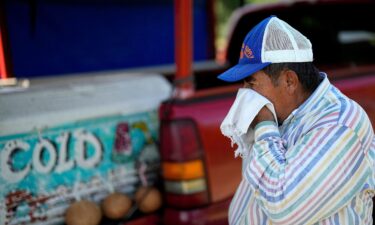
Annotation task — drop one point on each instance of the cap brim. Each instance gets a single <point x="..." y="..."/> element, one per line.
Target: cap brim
<point x="239" y="71"/>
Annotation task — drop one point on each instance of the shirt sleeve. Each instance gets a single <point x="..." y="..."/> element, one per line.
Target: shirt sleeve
<point x="312" y="179"/>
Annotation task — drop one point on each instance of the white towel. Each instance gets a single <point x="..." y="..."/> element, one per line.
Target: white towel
<point x="236" y="124"/>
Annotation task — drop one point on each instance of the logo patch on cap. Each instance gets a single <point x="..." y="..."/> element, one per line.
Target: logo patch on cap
<point x="248" y="52"/>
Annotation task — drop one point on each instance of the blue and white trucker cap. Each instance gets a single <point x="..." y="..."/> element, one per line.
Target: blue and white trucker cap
<point x="271" y="41"/>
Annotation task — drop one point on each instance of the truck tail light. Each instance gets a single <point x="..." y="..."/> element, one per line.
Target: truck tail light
<point x="183" y="170"/>
<point x="183" y="166"/>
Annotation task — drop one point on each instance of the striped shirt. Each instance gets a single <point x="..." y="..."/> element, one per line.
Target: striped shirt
<point x="316" y="168"/>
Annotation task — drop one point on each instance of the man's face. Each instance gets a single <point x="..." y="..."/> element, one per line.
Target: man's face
<point x="262" y="83"/>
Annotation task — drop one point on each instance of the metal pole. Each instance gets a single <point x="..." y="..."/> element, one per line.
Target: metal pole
<point x="183" y="23"/>
<point x="3" y="65"/>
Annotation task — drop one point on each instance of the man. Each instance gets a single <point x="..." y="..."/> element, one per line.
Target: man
<point x="316" y="166"/>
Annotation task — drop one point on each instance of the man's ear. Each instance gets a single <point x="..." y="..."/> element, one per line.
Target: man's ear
<point x="291" y="81"/>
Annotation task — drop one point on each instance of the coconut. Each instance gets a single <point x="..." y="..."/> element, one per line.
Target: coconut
<point x="148" y="199"/>
<point x="83" y="213"/>
<point x="116" y="205"/>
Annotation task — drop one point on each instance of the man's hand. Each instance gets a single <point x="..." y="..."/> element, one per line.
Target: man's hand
<point x="264" y="115"/>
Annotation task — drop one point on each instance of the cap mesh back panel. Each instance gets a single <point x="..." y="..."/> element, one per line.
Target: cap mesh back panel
<point x="277" y="38"/>
<point x="301" y="41"/>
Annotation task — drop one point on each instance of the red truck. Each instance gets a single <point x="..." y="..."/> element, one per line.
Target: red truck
<point x="96" y="128"/>
<point x="204" y="173"/>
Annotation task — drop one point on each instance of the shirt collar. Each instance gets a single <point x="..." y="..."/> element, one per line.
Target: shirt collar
<point x="314" y="98"/>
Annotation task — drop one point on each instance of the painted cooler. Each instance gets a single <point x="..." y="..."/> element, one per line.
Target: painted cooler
<point x="76" y="137"/>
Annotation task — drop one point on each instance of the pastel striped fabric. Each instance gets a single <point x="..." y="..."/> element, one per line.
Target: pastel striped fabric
<point x="316" y="168"/>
